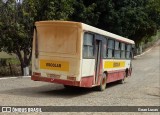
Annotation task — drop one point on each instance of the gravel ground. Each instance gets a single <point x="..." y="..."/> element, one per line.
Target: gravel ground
<point x="142" y="89"/>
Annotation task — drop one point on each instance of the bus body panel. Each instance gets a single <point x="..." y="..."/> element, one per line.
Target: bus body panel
<point x="88" y="67"/>
<point x="115" y="69"/>
<point x="114" y="65"/>
<point x="60" y="55"/>
<point x="62" y="67"/>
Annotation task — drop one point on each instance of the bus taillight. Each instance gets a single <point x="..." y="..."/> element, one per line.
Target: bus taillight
<point x="36" y="74"/>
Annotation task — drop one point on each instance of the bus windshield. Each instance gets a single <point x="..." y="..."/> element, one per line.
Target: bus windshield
<point x="57" y="39"/>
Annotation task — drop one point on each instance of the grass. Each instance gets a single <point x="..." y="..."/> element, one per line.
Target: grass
<point x="14" y="61"/>
<point x="4" y="55"/>
<point x="9" y="65"/>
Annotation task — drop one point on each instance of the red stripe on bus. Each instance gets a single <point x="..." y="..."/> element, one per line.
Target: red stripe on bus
<point x="114" y="76"/>
<point x="52" y="80"/>
<point x="87" y="81"/>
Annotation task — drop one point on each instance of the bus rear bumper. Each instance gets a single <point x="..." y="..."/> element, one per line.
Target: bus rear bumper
<point x="53" y="80"/>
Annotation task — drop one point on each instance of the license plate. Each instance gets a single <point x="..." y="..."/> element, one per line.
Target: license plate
<point x="53" y="76"/>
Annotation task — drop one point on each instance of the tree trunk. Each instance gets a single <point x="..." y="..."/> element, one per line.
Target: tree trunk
<point x="25" y="61"/>
<point x="140" y="49"/>
<point x="22" y="72"/>
<point x="11" y="72"/>
<point x="26" y="71"/>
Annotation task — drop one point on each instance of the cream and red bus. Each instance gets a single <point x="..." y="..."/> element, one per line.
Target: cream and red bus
<point x="77" y="54"/>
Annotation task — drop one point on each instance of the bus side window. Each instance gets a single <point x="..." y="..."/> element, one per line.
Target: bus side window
<point x="105" y="47"/>
<point x="88" y="46"/>
<point x="110" y="48"/>
<point x="123" y="50"/>
<point x="128" y="51"/>
<point x="117" y="50"/>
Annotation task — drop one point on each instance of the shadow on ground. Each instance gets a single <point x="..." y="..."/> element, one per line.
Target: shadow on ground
<point x="54" y="90"/>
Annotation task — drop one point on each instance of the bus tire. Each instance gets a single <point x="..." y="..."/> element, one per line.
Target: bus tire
<point x="103" y="82"/>
<point x="122" y="81"/>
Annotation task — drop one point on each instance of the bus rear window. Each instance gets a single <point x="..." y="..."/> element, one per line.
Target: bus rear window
<point x="58" y="39"/>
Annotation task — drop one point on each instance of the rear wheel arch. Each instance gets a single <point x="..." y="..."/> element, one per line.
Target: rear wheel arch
<point x="106" y="73"/>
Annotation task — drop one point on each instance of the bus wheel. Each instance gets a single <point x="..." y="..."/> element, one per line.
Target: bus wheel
<point x="122" y="81"/>
<point x="102" y="86"/>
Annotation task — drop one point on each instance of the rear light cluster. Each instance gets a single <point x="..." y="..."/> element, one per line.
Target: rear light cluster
<point x="36" y="74"/>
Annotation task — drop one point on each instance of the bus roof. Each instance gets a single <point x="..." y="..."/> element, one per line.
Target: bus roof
<point x="88" y="28"/>
<point x="105" y="33"/>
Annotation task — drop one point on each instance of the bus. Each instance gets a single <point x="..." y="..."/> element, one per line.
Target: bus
<point x="77" y="54"/>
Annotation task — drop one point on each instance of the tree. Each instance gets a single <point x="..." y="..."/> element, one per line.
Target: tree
<point x="85" y="11"/>
<point x="16" y="29"/>
<point x="54" y="9"/>
<point x="153" y="11"/>
<point x="17" y="24"/>
<point x="129" y="18"/>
